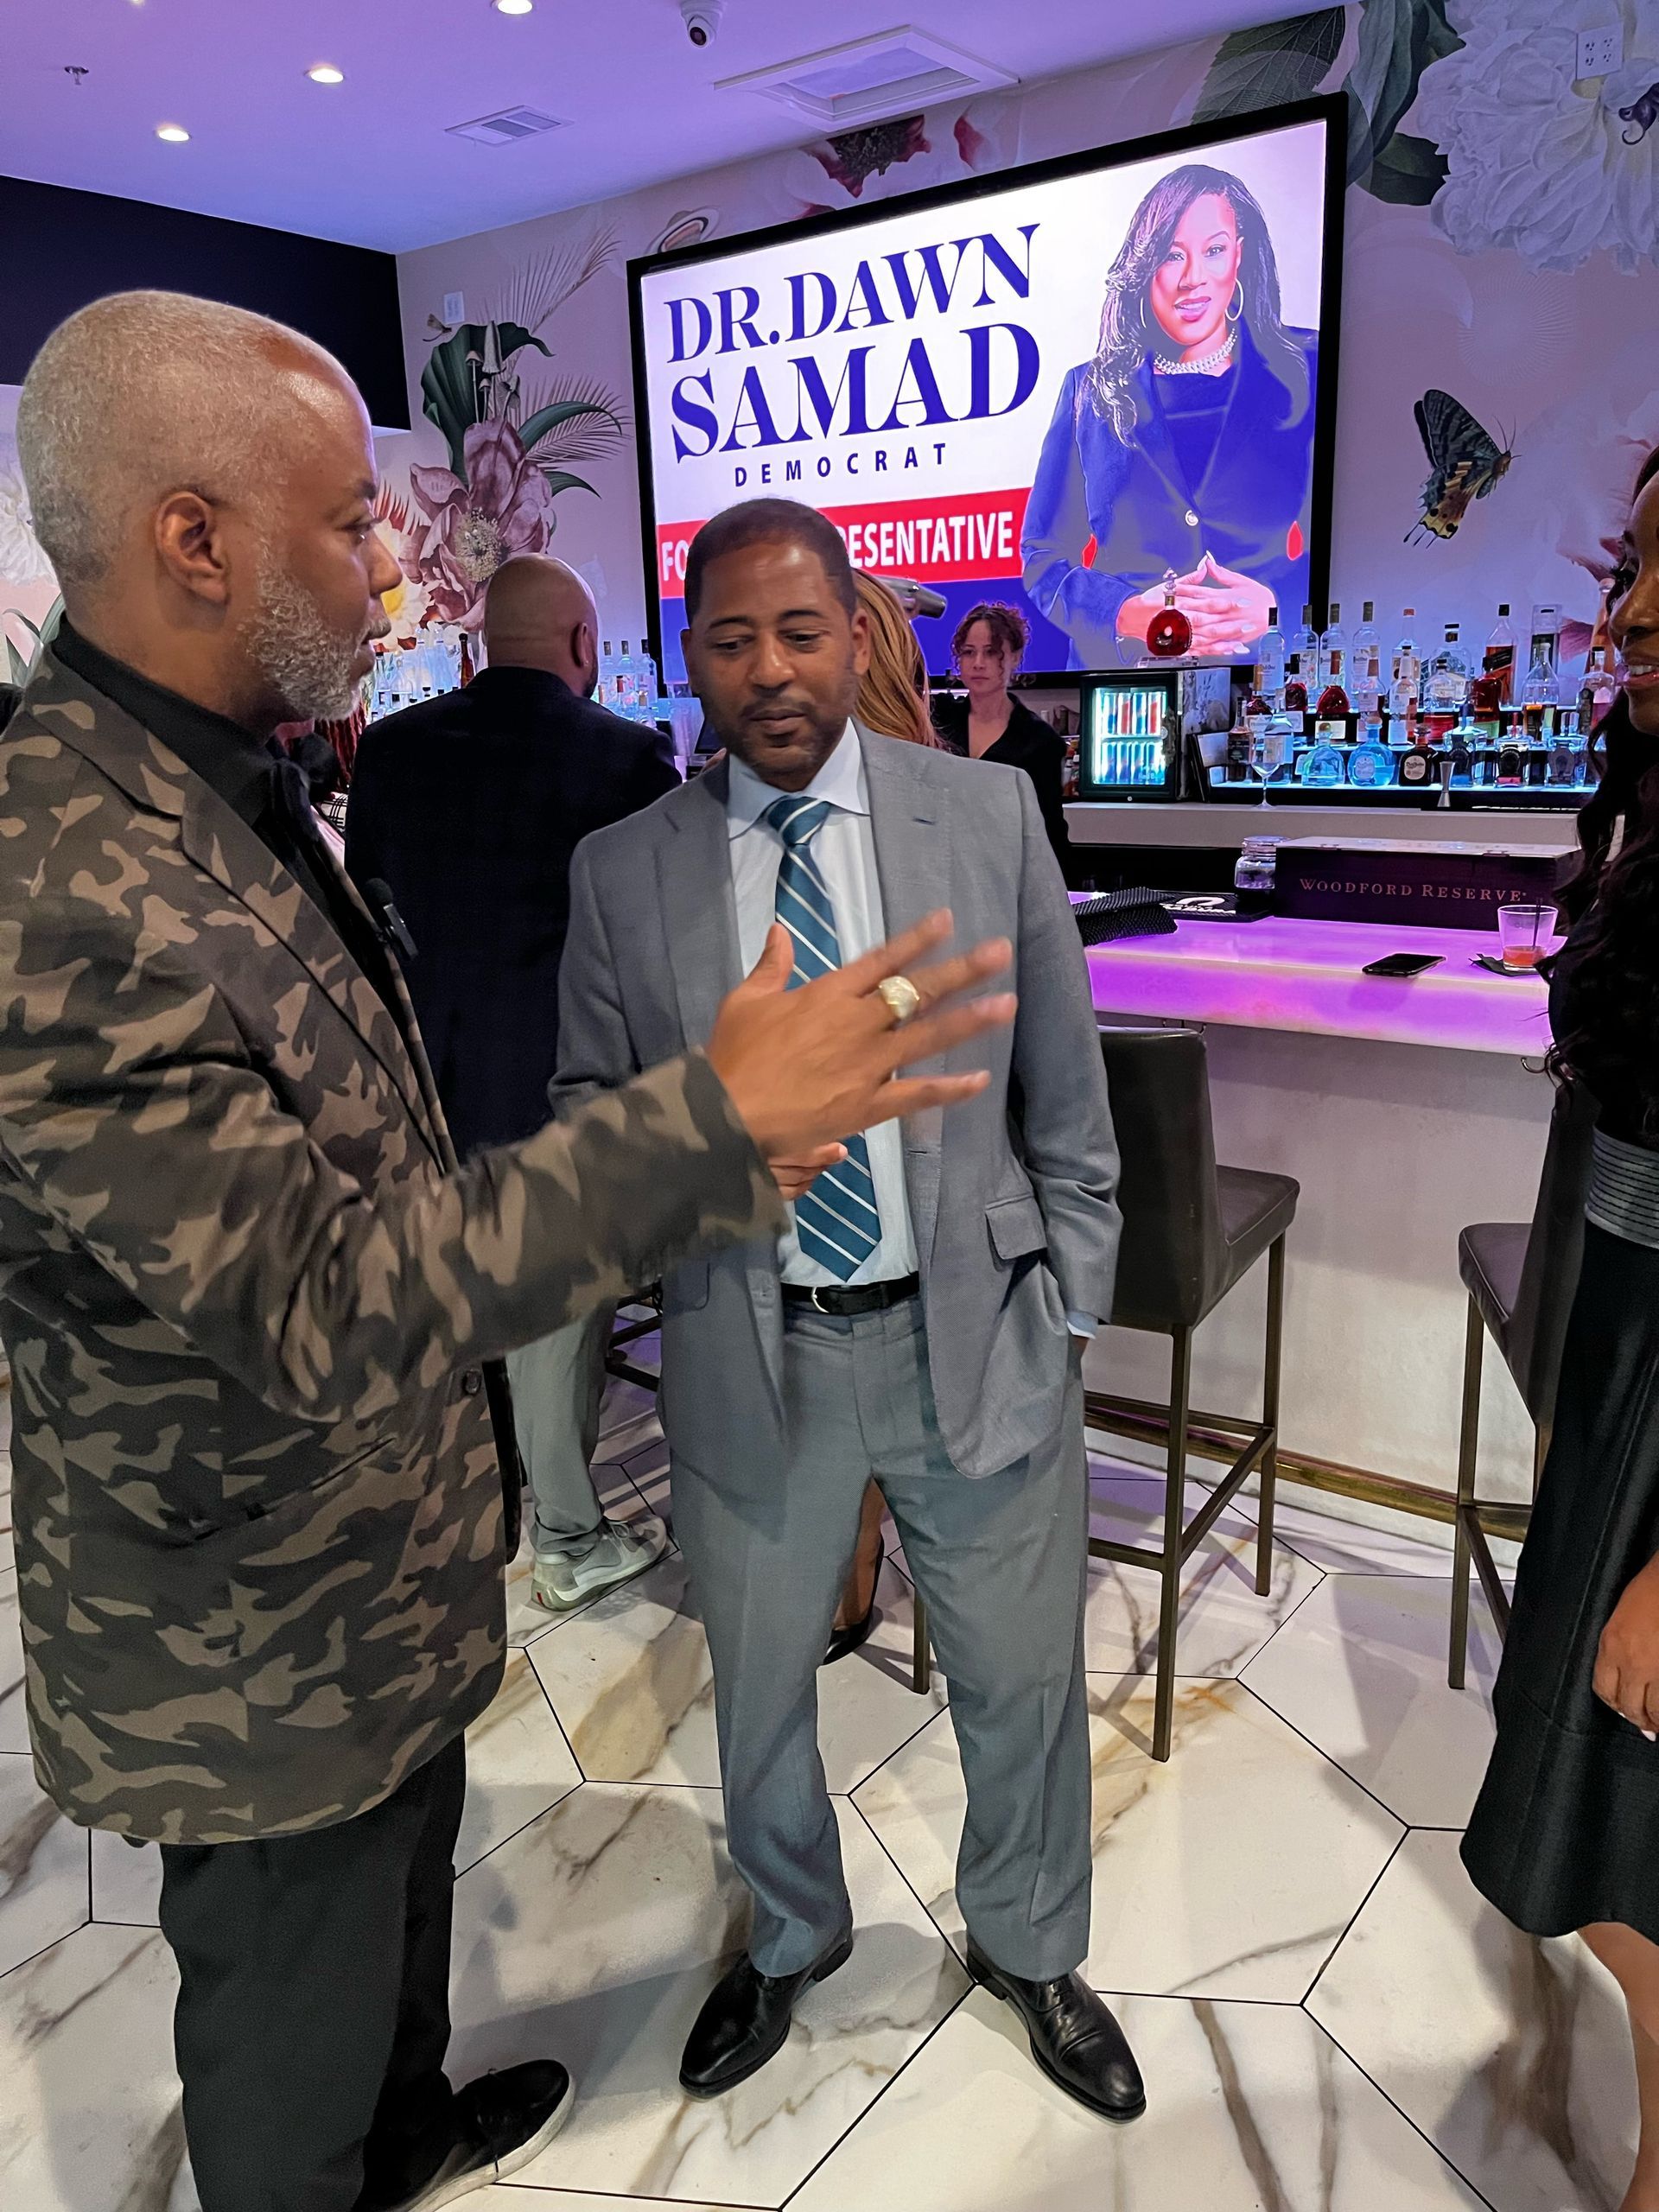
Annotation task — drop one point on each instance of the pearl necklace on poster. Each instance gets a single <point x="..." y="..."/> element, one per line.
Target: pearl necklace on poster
<point x="1206" y="364"/>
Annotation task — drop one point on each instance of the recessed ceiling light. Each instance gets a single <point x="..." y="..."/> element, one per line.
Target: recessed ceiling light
<point x="326" y="73"/>
<point x="174" y="133"/>
<point x="513" y="7"/>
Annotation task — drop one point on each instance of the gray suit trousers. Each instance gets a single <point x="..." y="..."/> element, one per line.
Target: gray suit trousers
<point x="557" y="1385"/>
<point x="1000" y="1562"/>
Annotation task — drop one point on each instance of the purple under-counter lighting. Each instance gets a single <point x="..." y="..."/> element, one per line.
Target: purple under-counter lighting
<point x="1305" y="976"/>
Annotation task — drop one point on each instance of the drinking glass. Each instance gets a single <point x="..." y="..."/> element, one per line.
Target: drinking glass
<point x="1267" y="757"/>
<point x="1523" y="934"/>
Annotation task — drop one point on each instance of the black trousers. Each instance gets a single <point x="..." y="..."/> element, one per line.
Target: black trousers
<point x="313" y="2005"/>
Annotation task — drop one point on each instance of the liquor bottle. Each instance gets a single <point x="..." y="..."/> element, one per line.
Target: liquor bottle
<point x="1323" y="764"/>
<point x="1446" y="683"/>
<point x="1496" y="679"/>
<point x="1169" y="635"/>
<point x="1419" y="762"/>
<point x="1365" y="664"/>
<point x="1333" y="652"/>
<point x="1538" y="695"/>
<point x="1269" y="666"/>
<point x="1370" y="765"/>
<point x="1597" y="691"/>
<point x="1405" y="681"/>
<point x="1301" y="664"/>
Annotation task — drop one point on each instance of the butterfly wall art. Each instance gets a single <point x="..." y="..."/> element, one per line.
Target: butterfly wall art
<point x="1464" y="462"/>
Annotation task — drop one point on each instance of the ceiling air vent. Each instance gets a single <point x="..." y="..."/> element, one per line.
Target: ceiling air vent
<point x="506" y="128"/>
<point x="893" y="73"/>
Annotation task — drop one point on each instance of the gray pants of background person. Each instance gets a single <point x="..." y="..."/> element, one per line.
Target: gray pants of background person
<point x="1001" y="1563"/>
<point x="558" y="1383"/>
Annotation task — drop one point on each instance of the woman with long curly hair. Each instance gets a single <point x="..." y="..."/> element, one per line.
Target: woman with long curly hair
<point x="1186" y="443"/>
<point x="893" y="690"/>
<point x="1566" y="1834"/>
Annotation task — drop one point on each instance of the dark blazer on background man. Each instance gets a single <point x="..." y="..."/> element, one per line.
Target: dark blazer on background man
<point x="469" y="806"/>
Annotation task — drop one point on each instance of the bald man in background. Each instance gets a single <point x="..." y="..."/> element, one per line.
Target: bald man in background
<point x="469" y="806"/>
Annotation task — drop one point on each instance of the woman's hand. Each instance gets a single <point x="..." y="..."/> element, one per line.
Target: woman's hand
<point x="1134" y="615"/>
<point x="1228" y="611"/>
<point x="1627" y="1660"/>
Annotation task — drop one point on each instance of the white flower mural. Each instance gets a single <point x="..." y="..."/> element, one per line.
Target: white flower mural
<point x="21" y="561"/>
<point x="1556" y="168"/>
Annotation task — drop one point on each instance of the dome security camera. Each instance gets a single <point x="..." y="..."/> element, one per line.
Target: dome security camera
<point x="701" y="20"/>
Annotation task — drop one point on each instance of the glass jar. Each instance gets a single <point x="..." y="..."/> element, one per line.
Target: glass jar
<point x="1253" y="876"/>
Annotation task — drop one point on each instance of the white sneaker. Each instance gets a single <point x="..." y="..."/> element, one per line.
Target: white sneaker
<point x="622" y="1550"/>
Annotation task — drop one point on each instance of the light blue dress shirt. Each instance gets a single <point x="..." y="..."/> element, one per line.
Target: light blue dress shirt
<point x="844" y="852"/>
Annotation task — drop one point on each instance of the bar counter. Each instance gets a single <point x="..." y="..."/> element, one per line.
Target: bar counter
<point x="1405" y="1108"/>
<point x="1305" y="977"/>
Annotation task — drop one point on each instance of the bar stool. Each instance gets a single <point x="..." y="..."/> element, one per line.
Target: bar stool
<point x="1521" y="1277"/>
<point x="1191" y="1231"/>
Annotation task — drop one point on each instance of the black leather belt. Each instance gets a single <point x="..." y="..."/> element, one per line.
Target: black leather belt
<point x="846" y="1303"/>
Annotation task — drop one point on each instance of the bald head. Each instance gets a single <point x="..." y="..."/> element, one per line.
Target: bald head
<point x="538" y="613"/>
<point x="200" y="478"/>
<point x="145" y="393"/>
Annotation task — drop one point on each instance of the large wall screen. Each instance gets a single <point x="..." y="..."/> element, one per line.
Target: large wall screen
<point x="1053" y="388"/>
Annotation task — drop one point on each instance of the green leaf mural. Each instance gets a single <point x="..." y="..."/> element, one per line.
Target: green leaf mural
<point x="1292" y="58"/>
<point x="1281" y="61"/>
<point x="535" y="428"/>
<point x="455" y="380"/>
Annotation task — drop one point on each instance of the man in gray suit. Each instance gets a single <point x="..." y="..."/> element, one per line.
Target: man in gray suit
<point x="921" y="1321"/>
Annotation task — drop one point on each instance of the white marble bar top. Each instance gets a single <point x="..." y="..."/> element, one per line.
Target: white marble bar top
<point x="1304" y="976"/>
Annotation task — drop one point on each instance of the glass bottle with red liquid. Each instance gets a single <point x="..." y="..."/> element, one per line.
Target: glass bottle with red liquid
<point x="1169" y="633"/>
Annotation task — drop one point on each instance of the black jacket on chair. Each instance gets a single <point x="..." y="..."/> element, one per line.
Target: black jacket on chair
<point x="469" y="807"/>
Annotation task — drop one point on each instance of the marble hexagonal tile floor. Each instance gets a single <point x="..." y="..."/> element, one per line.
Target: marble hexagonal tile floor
<point x="1329" y="2018"/>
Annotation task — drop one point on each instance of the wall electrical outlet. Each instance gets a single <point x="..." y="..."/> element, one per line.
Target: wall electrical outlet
<point x="455" y="303"/>
<point x="1601" y="50"/>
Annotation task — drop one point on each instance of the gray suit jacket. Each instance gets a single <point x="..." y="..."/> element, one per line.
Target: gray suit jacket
<point x="1011" y="1196"/>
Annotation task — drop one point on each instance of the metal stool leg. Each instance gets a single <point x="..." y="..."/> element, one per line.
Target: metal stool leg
<point x="1474" y="1344"/>
<point x="921" y="1678"/>
<point x="1169" y="1603"/>
<point x="1272" y="1363"/>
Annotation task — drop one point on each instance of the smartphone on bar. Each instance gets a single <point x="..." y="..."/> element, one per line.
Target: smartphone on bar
<point x="1403" y="963"/>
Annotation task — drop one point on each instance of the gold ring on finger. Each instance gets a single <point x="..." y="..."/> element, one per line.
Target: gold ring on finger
<point x="901" y="998"/>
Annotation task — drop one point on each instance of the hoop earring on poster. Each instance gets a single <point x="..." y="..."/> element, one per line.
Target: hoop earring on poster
<point x="1233" y="313"/>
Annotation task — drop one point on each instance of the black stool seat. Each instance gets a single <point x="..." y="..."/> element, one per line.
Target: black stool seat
<point x="1490" y="1257"/>
<point x="1257" y="1207"/>
<point x="1191" y="1230"/>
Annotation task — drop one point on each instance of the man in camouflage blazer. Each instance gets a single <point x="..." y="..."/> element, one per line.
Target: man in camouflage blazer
<point x="259" y="1521"/>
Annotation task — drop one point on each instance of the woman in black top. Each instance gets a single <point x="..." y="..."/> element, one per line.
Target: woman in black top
<point x="1566" y="1834"/>
<point x="990" y="724"/>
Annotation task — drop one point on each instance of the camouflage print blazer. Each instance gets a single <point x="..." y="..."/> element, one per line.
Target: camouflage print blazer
<point x="258" y="1518"/>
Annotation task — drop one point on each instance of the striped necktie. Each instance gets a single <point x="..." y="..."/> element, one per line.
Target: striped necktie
<point x="836" y="1222"/>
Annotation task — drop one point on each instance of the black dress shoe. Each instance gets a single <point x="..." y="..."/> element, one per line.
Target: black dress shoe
<point x="745" y="2022"/>
<point x="843" y="1641"/>
<point x="500" y="2122"/>
<point x="1074" y="2038"/>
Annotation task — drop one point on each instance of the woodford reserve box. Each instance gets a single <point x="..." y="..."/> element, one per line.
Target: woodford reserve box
<point x="1447" y="886"/>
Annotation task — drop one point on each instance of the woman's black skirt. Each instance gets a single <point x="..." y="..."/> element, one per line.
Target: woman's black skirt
<point x="1566" y="1832"/>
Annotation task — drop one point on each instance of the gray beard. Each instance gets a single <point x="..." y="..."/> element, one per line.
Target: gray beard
<point x="306" y="663"/>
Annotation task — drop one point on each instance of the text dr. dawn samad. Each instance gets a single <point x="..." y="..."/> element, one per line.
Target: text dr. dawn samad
<point x="1186" y="443"/>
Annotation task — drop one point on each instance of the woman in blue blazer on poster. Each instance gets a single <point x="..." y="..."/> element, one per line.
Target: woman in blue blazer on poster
<point x="1187" y="443"/>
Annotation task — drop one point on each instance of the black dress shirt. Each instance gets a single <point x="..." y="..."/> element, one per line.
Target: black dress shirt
<point x="1028" y="742"/>
<point x="255" y="780"/>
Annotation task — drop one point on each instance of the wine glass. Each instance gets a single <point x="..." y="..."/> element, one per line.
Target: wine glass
<point x="1267" y="756"/>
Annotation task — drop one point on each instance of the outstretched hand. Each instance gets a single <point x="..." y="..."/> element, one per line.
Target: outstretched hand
<point x="806" y="1068"/>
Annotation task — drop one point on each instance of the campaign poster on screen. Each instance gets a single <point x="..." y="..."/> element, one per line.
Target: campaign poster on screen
<point x="1053" y="392"/>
